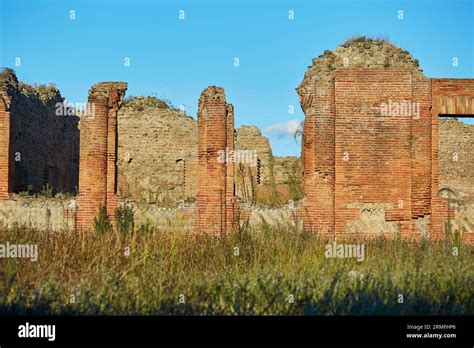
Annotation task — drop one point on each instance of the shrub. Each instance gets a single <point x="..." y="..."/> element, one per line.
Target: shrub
<point x="295" y="188"/>
<point x="124" y="219"/>
<point x="47" y="191"/>
<point x="102" y="222"/>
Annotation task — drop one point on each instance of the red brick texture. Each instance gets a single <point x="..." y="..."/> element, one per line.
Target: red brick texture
<point x="98" y="154"/>
<point x="318" y="157"/>
<point x="421" y="156"/>
<point x="372" y="157"/>
<point x="363" y="156"/>
<point x="5" y="164"/>
<point x="215" y="196"/>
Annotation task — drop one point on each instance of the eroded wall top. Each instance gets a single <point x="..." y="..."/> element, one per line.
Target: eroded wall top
<point x="359" y="52"/>
<point x="11" y="88"/>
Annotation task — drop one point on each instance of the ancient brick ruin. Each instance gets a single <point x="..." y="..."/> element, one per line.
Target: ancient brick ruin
<point x="215" y="197"/>
<point x="166" y="170"/>
<point x="42" y="137"/>
<point x="5" y="182"/>
<point x="98" y="155"/>
<point x="370" y="141"/>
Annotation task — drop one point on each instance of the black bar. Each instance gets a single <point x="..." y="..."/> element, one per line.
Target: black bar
<point x="195" y="330"/>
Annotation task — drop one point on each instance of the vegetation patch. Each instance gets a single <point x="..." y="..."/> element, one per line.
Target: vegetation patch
<point x="262" y="271"/>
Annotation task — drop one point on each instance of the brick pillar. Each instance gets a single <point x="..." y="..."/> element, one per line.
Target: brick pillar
<point x="215" y="195"/>
<point x="421" y="156"/>
<point x="113" y="198"/>
<point x="6" y="174"/>
<point x="318" y="146"/>
<point x="439" y="210"/>
<point x="98" y="153"/>
<point x="231" y="200"/>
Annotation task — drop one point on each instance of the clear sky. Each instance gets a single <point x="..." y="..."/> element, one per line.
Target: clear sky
<point x="177" y="58"/>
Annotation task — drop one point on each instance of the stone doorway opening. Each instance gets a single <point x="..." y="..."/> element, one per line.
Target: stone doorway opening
<point x="456" y="170"/>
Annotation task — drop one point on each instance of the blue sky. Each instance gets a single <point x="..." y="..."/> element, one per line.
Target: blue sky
<point x="176" y="59"/>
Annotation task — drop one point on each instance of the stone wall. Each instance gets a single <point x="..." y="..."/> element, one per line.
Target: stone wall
<point x="286" y="168"/>
<point x="41" y="213"/>
<point x="43" y="137"/>
<point x="456" y="157"/>
<point x="157" y="154"/>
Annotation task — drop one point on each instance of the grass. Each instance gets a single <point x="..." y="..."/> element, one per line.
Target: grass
<point x="251" y="272"/>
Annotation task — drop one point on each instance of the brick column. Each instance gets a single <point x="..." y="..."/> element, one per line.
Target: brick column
<point x="318" y="146"/>
<point x="439" y="210"/>
<point x="231" y="200"/>
<point x="215" y="195"/>
<point x="421" y="156"/>
<point x="98" y="153"/>
<point x="113" y="198"/>
<point x="5" y="165"/>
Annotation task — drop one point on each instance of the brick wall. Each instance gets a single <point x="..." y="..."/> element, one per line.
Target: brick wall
<point x="43" y="137"/>
<point x="5" y="186"/>
<point x="382" y="162"/>
<point x="98" y="153"/>
<point x="421" y="166"/>
<point x="317" y="153"/>
<point x="215" y="197"/>
<point x="372" y="153"/>
<point x="366" y="171"/>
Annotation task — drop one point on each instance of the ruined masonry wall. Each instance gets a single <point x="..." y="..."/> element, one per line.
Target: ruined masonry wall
<point x="38" y="213"/>
<point x="366" y="172"/>
<point x="44" y="143"/>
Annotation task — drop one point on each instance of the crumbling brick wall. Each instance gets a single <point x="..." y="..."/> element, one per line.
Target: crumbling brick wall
<point x="43" y="143"/>
<point x="215" y="197"/>
<point x="98" y="153"/>
<point x="365" y="171"/>
<point x="5" y="178"/>
<point x="317" y="151"/>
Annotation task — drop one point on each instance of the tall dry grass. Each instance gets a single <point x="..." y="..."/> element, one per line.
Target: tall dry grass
<point x="264" y="271"/>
